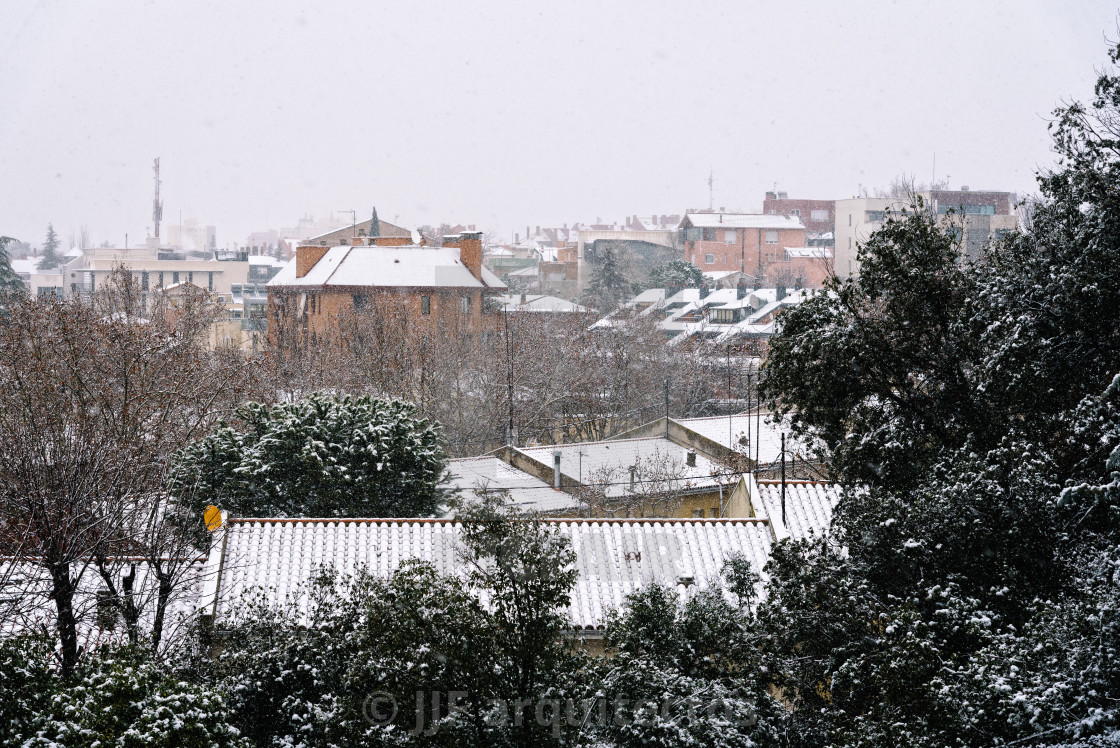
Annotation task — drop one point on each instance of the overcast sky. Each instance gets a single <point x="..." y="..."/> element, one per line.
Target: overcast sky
<point x="504" y="114"/>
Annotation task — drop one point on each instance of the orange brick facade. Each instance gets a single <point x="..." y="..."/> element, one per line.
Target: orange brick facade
<point x="303" y="314"/>
<point x="749" y="251"/>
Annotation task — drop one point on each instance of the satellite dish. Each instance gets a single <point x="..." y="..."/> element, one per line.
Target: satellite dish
<point x="212" y="517"/>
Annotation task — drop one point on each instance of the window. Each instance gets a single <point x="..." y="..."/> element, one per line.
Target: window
<point x="709" y="259"/>
<point x="465" y="304"/>
<point x="730" y="237"/>
<point x="795" y="212"/>
<point x="190" y="277"/>
<point x="698" y="513"/>
<point x="174" y="278"/>
<point x="874" y="216"/>
<point x="709" y="235"/>
<point x="425" y="304"/>
<point x="819" y="215"/>
<point x="144" y="281"/>
<point x="210" y="282"/>
<point x="360" y="301"/>
<point x="771" y="237"/>
<point x="161" y="280"/>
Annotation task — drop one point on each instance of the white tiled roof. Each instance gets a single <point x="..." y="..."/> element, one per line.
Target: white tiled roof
<point x="616" y="457"/>
<point x="528" y="493"/>
<point x="743" y="221"/>
<point x="408" y="265"/>
<point x="614" y="557"/>
<point x="809" y="505"/>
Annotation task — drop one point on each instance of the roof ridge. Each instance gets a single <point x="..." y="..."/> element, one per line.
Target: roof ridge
<point x="446" y="521"/>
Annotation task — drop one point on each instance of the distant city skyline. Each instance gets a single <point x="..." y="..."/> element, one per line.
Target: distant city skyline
<point x="504" y="115"/>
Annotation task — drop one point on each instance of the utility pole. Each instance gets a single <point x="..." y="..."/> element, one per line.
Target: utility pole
<point x="157" y="206"/>
<point x="666" y="407"/>
<point x="511" y="436"/>
<point x="783" y="477"/>
<point x="730" y="429"/>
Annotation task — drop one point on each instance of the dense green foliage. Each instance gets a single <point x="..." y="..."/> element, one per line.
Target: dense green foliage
<point x="322" y="456"/>
<point x="972" y="408"/>
<point x="119" y="699"/>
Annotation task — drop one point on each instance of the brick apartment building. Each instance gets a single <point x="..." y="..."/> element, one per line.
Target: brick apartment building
<point x="748" y="243"/>
<point x="818" y="216"/>
<point x="446" y="286"/>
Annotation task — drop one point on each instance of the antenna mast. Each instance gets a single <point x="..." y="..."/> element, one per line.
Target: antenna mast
<point x="157" y="206"/>
<point x="711" y="175"/>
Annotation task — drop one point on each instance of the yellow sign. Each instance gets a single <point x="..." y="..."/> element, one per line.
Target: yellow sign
<point x="212" y="517"/>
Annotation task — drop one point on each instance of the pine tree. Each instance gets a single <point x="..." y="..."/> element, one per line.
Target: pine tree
<point x="323" y="456"/>
<point x="609" y="285"/>
<point x="10" y="283"/>
<point x="51" y="258"/>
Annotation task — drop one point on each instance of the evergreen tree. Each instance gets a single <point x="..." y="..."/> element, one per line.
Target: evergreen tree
<point x="322" y="456"/>
<point x="678" y="274"/>
<point x="609" y="285"/>
<point x="974" y="410"/>
<point x="51" y="258"/>
<point x="10" y="283"/>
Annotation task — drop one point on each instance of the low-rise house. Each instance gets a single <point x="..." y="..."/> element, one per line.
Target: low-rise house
<point x="649" y="476"/>
<point x="614" y="558"/>
<point x="736" y="316"/>
<point x="446" y="286"/>
<point x="541" y="304"/>
<point x="474" y="478"/>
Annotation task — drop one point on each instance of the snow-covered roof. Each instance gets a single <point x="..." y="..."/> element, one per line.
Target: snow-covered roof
<point x="816" y="253"/>
<point x="538" y="303"/>
<point x="266" y="260"/>
<point x="616" y="456"/>
<point x="809" y="505"/>
<point x="528" y="493"/>
<point x="763" y="435"/>
<point x="613" y="557"/>
<point x="530" y="271"/>
<point x="409" y="265"/>
<point x="742" y="221"/>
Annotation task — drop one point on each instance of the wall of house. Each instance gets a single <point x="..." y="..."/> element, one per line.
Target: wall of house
<point x="804" y="210"/>
<point x="322" y="307"/>
<point x="748" y="253"/>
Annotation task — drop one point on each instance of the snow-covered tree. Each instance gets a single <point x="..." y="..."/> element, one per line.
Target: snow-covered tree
<point x="51" y="258"/>
<point x="321" y="456"/>
<point x="677" y="273"/>
<point x="10" y="283"/>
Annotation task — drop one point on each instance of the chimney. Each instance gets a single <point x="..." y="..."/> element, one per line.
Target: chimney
<point x="556" y="468"/>
<point x="524" y="299"/>
<point x="704" y="291"/>
<point x="780" y="292"/>
<point x="690" y="458"/>
<point x="633" y="473"/>
<point x="516" y="238"/>
<point x="470" y="252"/>
<point x="306" y="257"/>
<point x="741" y="290"/>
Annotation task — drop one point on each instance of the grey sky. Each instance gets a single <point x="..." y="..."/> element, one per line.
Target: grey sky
<point x="504" y="114"/>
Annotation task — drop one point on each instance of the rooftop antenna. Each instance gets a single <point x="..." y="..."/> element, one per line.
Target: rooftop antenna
<point x="353" y="222"/>
<point x="711" y="180"/>
<point x="157" y="206"/>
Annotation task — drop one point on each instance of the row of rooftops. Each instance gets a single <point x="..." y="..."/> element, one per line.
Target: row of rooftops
<point x="279" y="557"/>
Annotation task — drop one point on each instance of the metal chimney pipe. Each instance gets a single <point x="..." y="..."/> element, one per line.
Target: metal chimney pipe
<point x="556" y="468"/>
